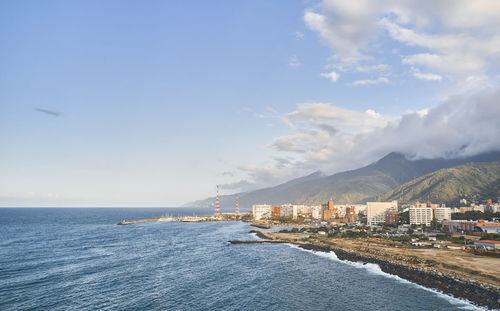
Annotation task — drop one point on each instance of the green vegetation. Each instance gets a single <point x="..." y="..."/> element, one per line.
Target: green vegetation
<point x="474" y="215"/>
<point x="490" y="236"/>
<point x="450" y="184"/>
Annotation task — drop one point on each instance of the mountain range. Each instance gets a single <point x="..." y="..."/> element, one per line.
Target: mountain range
<point x="384" y="179"/>
<point x="450" y="184"/>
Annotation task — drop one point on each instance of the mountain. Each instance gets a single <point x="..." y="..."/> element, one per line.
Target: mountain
<point x="354" y="186"/>
<point x="451" y="184"/>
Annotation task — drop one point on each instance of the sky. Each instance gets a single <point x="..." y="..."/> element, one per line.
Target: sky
<point x="154" y="103"/>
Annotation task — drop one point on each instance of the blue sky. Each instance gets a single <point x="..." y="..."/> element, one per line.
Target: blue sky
<point x="160" y="101"/>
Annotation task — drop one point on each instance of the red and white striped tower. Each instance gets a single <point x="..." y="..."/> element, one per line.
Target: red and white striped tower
<point x="237" y="209"/>
<point x="217" y="205"/>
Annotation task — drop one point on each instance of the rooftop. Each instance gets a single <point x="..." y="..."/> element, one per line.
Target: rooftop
<point x="488" y="241"/>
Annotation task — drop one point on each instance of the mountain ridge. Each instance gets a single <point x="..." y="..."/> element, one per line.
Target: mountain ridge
<point x="353" y="186"/>
<point x="449" y="185"/>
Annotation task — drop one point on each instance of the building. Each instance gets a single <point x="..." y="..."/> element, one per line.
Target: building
<point x="391" y="217"/>
<point x="276" y="210"/>
<point x="261" y="211"/>
<point x="329" y="212"/>
<point x="420" y="215"/>
<point x="492" y="208"/>
<point x="442" y="213"/>
<point x="487" y="227"/>
<point x="487" y="244"/>
<point x="316" y="212"/>
<point x="455" y="226"/>
<point x="301" y="211"/>
<point x="286" y="210"/>
<point x="350" y="214"/>
<point x="455" y="246"/>
<point x="375" y="211"/>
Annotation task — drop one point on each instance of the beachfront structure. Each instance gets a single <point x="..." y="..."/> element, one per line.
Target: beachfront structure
<point x="375" y="211"/>
<point x="261" y="211"/>
<point x="442" y="213"/>
<point x="420" y="216"/>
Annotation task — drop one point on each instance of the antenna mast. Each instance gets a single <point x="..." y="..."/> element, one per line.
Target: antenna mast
<point x="237" y="208"/>
<point x="217" y="204"/>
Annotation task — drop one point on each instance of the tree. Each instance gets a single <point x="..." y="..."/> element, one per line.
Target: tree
<point x="434" y="224"/>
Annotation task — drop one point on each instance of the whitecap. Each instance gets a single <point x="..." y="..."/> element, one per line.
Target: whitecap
<point x="375" y="269"/>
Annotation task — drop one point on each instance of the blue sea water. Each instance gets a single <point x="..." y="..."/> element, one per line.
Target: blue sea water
<point x="79" y="259"/>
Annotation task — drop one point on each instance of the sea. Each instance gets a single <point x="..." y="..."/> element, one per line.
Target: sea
<point x="80" y="259"/>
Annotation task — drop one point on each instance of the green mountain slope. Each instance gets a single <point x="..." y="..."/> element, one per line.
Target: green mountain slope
<point x="450" y="184"/>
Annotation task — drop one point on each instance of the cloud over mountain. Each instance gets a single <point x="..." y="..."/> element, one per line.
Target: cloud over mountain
<point x="330" y="138"/>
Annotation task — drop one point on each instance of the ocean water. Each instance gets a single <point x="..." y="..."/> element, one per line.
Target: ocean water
<point x="79" y="259"/>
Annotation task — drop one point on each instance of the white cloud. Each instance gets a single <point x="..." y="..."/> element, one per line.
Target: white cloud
<point x="380" y="67"/>
<point x="459" y="39"/>
<point x="298" y="35"/>
<point x="294" y="61"/>
<point x="370" y="82"/>
<point x="425" y="76"/>
<point x="328" y="117"/>
<point x="331" y="138"/>
<point x="345" y="26"/>
<point x="333" y="76"/>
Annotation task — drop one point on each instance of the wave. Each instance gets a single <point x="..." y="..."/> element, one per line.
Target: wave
<point x="375" y="269"/>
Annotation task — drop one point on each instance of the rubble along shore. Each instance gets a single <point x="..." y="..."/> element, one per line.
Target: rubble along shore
<point x="476" y="292"/>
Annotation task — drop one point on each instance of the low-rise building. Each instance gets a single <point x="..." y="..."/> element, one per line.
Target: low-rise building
<point x="455" y="226"/>
<point x="487" y="227"/>
<point x="455" y="246"/>
<point x="391" y="217"/>
<point x="489" y="244"/>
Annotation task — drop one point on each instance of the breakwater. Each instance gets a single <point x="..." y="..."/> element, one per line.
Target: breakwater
<point x="122" y="223"/>
<point x="223" y="217"/>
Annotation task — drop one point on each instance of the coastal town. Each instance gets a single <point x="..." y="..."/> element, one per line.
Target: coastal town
<point x="453" y="249"/>
<point x="419" y="224"/>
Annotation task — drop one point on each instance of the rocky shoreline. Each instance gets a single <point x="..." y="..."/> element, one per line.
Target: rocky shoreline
<point x="470" y="290"/>
<point x="480" y="294"/>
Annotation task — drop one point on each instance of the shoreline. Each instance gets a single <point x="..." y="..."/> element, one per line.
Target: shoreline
<point x="479" y="293"/>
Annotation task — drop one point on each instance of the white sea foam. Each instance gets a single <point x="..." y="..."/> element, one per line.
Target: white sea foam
<point x="375" y="269"/>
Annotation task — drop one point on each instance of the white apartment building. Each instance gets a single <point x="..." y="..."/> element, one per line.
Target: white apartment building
<point x="375" y="211"/>
<point x="442" y="213"/>
<point x="301" y="210"/>
<point x="261" y="211"/>
<point x="286" y="210"/>
<point x="316" y="212"/>
<point x="420" y="216"/>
